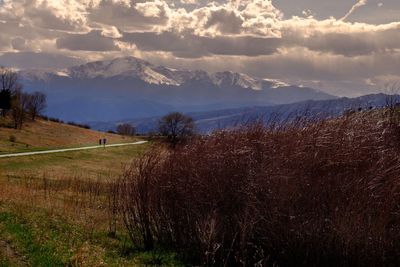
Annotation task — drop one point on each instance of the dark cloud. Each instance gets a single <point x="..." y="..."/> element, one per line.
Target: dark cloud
<point x="44" y="19"/>
<point x="18" y="43"/>
<point x="92" y="41"/>
<point x="10" y="29"/>
<point x="31" y="60"/>
<point x="193" y="46"/>
<point x="4" y="42"/>
<point x="353" y="44"/>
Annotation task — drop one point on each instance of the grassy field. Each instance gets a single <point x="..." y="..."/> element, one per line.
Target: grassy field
<point x="42" y="135"/>
<point x="88" y="163"/>
<point x="54" y="209"/>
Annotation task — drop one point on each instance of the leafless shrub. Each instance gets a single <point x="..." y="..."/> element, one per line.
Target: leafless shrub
<point x="126" y="129"/>
<point x="136" y="197"/>
<point x="36" y="104"/>
<point x="296" y="193"/>
<point x="19" y="106"/>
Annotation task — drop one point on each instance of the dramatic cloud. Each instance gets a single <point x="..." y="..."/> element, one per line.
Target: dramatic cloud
<point x="32" y="60"/>
<point x="332" y="51"/>
<point x="129" y="15"/>
<point x="193" y="46"/>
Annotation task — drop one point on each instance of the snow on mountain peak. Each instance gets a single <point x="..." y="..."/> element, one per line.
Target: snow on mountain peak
<point x="127" y="67"/>
<point x="131" y="67"/>
<point x="276" y="83"/>
<point x="229" y="78"/>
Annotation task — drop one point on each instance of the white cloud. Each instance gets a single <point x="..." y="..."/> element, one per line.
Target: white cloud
<point x="153" y="9"/>
<point x="359" y="4"/>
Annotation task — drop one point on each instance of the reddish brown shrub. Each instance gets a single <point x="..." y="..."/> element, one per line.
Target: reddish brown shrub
<point x="322" y="193"/>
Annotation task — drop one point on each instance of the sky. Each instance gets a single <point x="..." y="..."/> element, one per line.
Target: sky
<point x="343" y="47"/>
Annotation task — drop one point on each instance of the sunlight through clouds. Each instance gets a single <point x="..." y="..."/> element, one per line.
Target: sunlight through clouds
<point x="245" y="33"/>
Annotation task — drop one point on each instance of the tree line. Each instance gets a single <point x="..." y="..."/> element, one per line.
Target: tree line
<point x="17" y="104"/>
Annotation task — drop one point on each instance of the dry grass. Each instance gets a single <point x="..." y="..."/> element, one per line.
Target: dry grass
<point x="43" y="134"/>
<point x="322" y="193"/>
<point x="54" y="208"/>
<point x="76" y="199"/>
<point x="88" y="163"/>
<point x="68" y="221"/>
<point x="73" y="185"/>
<point x="63" y="217"/>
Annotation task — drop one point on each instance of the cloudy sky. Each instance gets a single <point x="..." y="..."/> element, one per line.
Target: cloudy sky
<point x="345" y="47"/>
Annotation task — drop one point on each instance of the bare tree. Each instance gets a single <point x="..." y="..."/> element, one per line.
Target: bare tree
<point x="5" y="102"/>
<point x="392" y="101"/>
<point x="392" y="91"/>
<point x="177" y="127"/>
<point x="36" y="104"/>
<point x="9" y="86"/>
<point x="19" y="107"/>
<point x="126" y="129"/>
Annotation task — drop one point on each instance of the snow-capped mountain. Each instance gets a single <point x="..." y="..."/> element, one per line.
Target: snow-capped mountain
<point x="229" y="78"/>
<point x="130" y="87"/>
<point x="130" y="67"/>
<point x="123" y="67"/>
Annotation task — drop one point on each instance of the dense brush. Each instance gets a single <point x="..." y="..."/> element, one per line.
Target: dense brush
<point x="300" y="193"/>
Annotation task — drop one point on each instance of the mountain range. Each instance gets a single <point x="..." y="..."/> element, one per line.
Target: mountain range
<point x="133" y="88"/>
<point x="209" y="121"/>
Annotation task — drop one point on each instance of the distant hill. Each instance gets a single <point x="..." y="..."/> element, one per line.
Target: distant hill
<point x="132" y="88"/>
<point x="227" y="118"/>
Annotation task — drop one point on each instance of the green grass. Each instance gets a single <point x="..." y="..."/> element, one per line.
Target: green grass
<point x="16" y="147"/>
<point x="21" y="147"/>
<point x="49" y="240"/>
<point x="39" y="253"/>
<point x="157" y="258"/>
<point x="96" y="162"/>
<point x="4" y="262"/>
<point x="46" y="236"/>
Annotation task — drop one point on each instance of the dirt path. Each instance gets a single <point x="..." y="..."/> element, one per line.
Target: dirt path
<point x="68" y="149"/>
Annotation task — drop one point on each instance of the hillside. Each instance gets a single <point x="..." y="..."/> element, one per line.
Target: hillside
<point x="44" y="134"/>
<point x="227" y="118"/>
<point x="53" y="207"/>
